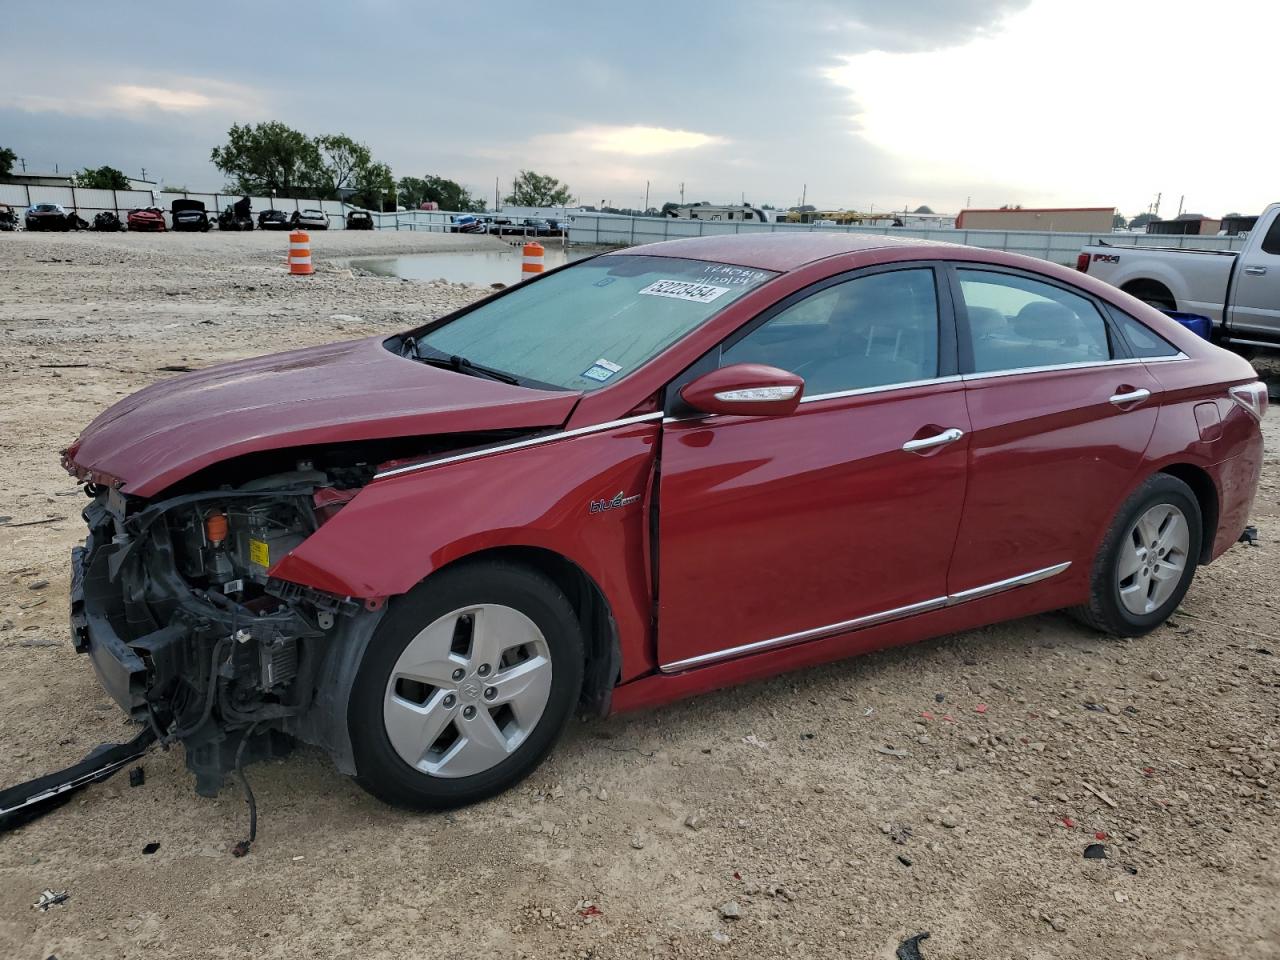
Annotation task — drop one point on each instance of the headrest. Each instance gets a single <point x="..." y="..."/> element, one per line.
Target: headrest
<point x="1046" y="320"/>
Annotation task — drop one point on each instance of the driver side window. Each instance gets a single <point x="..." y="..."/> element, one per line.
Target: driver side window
<point x="871" y="331"/>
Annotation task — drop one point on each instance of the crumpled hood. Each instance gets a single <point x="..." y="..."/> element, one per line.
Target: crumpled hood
<point x="338" y="392"/>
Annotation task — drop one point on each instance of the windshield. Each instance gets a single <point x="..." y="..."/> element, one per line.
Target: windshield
<point x="593" y="323"/>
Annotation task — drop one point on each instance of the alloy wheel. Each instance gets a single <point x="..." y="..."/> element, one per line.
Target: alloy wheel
<point x="468" y="690"/>
<point x="1152" y="558"/>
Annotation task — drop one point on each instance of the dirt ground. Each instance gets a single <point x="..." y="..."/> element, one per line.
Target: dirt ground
<point x="1020" y="741"/>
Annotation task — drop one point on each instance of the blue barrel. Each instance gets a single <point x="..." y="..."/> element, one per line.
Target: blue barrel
<point x="1201" y="326"/>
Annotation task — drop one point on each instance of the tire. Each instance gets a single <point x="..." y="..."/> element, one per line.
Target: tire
<point x="461" y="761"/>
<point x="1117" y="603"/>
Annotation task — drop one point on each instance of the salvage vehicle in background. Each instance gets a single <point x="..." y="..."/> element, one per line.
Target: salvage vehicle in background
<point x="310" y="219"/>
<point x="655" y="472"/>
<point x="189" y="215"/>
<point x="47" y="216"/>
<point x="273" y="220"/>
<point x="8" y="218"/>
<point x="107" y="222"/>
<point x="359" y="220"/>
<point x="146" y="219"/>
<point x="238" y="216"/>
<point x="1239" y="291"/>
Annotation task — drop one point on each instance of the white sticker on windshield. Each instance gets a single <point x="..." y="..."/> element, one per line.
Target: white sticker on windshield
<point x="601" y="370"/>
<point x="684" y="290"/>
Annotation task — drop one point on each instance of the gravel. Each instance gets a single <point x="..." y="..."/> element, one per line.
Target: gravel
<point x="1193" y="839"/>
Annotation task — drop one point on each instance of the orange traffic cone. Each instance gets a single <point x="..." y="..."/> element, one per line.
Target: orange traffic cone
<point x="532" y="258"/>
<point x="300" y="254"/>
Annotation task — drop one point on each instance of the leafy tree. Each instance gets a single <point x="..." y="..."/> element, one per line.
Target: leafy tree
<point x="375" y="187"/>
<point x="1141" y="220"/>
<point x="340" y="162"/>
<point x="7" y="157"/>
<point x="101" y="178"/>
<point x="166" y="188"/>
<point x="669" y="207"/>
<point x="269" y="158"/>
<point x="923" y="209"/>
<point x="1119" y="222"/>
<point x="537" y="190"/>
<point x="413" y="191"/>
<point x="1231" y="214"/>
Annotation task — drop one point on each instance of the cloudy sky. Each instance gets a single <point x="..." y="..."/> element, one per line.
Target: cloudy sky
<point x="864" y="102"/>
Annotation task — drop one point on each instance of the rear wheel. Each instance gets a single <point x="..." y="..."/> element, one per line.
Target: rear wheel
<point x="1147" y="560"/>
<point x="465" y="686"/>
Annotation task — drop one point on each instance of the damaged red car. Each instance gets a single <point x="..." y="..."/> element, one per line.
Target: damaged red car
<point x="644" y="475"/>
<point x="146" y="219"/>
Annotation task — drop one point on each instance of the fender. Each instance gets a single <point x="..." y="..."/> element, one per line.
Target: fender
<point x="580" y="494"/>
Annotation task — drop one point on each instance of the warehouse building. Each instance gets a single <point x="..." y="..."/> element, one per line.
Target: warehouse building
<point x="1051" y="219"/>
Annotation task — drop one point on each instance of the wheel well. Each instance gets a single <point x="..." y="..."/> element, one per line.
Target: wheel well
<point x="1151" y="291"/>
<point x="599" y="631"/>
<point x="1202" y="486"/>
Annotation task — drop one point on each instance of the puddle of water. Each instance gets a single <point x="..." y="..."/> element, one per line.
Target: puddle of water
<point x="481" y="267"/>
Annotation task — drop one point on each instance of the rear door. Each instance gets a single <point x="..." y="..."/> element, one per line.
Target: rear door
<point x="1255" y="293"/>
<point x="780" y="530"/>
<point x="1061" y="416"/>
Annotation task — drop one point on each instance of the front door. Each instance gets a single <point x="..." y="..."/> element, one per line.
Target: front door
<point x="779" y="530"/>
<point x="1255" y="290"/>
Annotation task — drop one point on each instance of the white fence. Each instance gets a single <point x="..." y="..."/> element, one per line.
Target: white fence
<point x="1060" y="248"/>
<point x="89" y="203"/>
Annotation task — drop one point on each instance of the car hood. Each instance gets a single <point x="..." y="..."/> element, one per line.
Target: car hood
<point x="357" y="390"/>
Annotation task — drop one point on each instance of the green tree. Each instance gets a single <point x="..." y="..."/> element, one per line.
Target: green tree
<point x="166" y="188"/>
<point x="451" y="195"/>
<point x="923" y="209"/>
<point x="375" y="187"/>
<point x="269" y="157"/>
<point x="340" y="162"/>
<point x="1141" y="220"/>
<point x="1119" y="222"/>
<point x="7" y="157"/>
<point x="101" y="178"/>
<point x="537" y="190"/>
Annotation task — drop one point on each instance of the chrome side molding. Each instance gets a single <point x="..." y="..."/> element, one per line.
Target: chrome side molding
<point x="870" y="620"/>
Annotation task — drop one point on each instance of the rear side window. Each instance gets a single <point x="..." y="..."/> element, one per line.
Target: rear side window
<point x="870" y="331"/>
<point x="1016" y="322"/>
<point x="1271" y="242"/>
<point x="1143" y="341"/>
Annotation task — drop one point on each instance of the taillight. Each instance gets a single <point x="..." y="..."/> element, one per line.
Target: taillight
<point x="1082" y="262"/>
<point x="1251" y="396"/>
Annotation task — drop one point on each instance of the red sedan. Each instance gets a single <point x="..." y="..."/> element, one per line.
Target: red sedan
<point x="644" y="475"/>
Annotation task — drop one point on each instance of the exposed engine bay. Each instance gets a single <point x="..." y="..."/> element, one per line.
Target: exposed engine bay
<point x="188" y="631"/>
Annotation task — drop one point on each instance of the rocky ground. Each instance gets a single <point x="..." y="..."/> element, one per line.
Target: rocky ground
<point x="952" y="787"/>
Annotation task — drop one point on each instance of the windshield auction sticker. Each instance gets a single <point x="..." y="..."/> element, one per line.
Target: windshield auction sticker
<point x="601" y="370"/>
<point x="684" y="290"/>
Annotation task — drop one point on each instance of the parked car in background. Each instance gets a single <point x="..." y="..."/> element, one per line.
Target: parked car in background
<point x="47" y="216"/>
<point x="1239" y="291"/>
<point x="274" y="220"/>
<point x="735" y="455"/>
<point x="536" y="226"/>
<point x="8" y="218"/>
<point x="107" y="222"/>
<point x="238" y="216"/>
<point x="189" y="215"/>
<point x="467" y="223"/>
<point x="359" y="220"/>
<point x="310" y="219"/>
<point x="146" y="219"/>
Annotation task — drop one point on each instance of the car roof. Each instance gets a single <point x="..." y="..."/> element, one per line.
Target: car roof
<point x="779" y="251"/>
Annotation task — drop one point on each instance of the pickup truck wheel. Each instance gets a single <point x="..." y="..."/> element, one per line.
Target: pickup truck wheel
<point x="1147" y="559"/>
<point x="466" y="685"/>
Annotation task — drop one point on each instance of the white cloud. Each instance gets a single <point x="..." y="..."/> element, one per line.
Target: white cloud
<point x="632" y="141"/>
<point x="84" y="96"/>
<point x="1064" y="107"/>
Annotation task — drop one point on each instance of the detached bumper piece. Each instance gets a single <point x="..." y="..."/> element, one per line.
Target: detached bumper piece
<point x="27" y="801"/>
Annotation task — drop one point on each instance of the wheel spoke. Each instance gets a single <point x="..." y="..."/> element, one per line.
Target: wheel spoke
<point x="413" y="728"/>
<point x="525" y="687"/>
<point x="427" y="657"/>
<point x="482" y="746"/>
<point x="1129" y="562"/>
<point x="498" y="629"/>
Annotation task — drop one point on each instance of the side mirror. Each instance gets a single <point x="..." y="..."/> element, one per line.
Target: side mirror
<point x="745" y="390"/>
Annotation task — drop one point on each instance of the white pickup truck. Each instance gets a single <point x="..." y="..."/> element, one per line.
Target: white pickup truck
<point x="1239" y="291"/>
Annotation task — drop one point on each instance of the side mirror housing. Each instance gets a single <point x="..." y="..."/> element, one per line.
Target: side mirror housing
<point x="745" y="390"/>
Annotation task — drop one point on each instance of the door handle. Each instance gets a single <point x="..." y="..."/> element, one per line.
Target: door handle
<point x="1255" y="271"/>
<point x="1131" y="396"/>
<point x="938" y="440"/>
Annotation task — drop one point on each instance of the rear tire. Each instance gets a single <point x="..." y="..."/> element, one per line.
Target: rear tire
<point x="1146" y="561"/>
<point x="466" y="685"/>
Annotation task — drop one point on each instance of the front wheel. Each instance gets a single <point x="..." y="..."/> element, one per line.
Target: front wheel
<point x="466" y="685"/>
<point x="1147" y="560"/>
